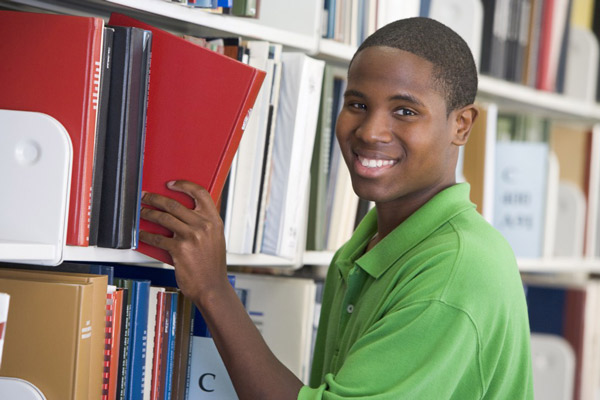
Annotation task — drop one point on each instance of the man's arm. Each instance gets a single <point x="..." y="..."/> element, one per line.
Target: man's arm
<point x="198" y="251"/>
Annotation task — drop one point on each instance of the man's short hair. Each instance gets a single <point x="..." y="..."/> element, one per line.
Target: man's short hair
<point x="454" y="70"/>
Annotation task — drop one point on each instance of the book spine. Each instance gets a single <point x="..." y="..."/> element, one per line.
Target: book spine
<point x="139" y="324"/>
<point x="172" y="329"/>
<point x="115" y="343"/>
<point x="84" y="343"/>
<point x="182" y="347"/>
<point x="125" y="333"/>
<point x="147" y="60"/>
<point x="4" y="304"/>
<point x="118" y="117"/>
<point x="220" y="176"/>
<point x="543" y="66"/>
<point x="165" y="346"/>
<point x="134" y="139"/>
<point x="188" y="374"/>
<point x="108" y="337"/>
<point x="99" y="147"/>
<point x="78" y="229"/>
<point x="158" y="348"/>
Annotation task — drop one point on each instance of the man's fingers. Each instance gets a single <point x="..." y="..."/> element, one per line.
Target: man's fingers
<point x="164" y="219"/>
<point x="201" y="196"/>
<point x="156" y="240"/>
<point x="166" y="204"/>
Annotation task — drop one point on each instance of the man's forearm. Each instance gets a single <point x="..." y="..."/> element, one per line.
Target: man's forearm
<point x="254" y="370"/>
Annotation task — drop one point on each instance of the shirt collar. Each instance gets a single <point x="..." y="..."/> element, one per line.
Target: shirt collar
<point x="433" y="214"/>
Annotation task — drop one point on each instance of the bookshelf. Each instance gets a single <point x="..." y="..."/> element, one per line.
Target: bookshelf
<point x="303" y="33"/>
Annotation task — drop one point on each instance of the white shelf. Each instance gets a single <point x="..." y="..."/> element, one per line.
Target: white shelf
<point x="512" y="96"/>
<point x="317" y="257"/>
<point x="300" y="32"/>
<point x="246" y="27"/>
<point x="333" y="50"/>
<point x="559" y="265"/>
<point x="542" y="265"/>
<point x="99" y="254"/>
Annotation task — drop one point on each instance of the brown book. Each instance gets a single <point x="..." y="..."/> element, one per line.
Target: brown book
<point x="98" y="320"/>
<point x="48" y="336"/>
<point x="474" y="161"/>
<point x="182" y="346"/>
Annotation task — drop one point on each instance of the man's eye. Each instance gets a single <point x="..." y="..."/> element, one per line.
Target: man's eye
<point x="404" y="112"/>
<point x="358" y="106"/>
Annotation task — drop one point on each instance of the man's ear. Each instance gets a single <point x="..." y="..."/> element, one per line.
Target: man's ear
<point x="464" y="118"/>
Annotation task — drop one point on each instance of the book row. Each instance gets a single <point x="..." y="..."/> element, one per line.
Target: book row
<point x="545" y="44"/>
<point x="119" y="133"/>
<point x="239" y="8"/>
<point x="123" y="332"/>
<point x="537" y="182"/>
<point x="280" y="183"/>
<point x="563" y="318"/>
<point x="138" y="135"/>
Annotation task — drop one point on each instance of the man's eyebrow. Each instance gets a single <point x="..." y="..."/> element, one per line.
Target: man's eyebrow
<point x="401" y="96"/>
<point x="407" y="97"/>
<point x="354" y="93"/>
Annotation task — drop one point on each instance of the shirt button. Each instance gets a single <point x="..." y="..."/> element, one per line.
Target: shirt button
<point x="350" y="308"/>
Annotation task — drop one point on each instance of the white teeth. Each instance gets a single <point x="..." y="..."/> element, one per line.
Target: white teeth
<point x="372" y="163"/>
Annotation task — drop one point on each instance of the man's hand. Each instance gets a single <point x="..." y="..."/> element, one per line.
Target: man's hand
<point x="198" y="243"/>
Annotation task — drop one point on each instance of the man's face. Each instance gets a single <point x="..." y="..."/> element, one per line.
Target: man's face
<point x="393" y="130"/>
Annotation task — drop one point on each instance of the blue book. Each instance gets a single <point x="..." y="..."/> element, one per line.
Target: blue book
<point x="203" y="3"/>
<point x="329" y="8"/>
<point x="171" y="345"/>
<point x="425" y="7"/>
<point x="136" y="352"/>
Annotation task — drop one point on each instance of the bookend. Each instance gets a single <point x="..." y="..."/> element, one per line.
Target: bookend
<point x="15" y="388"/>
<point x="553" y="367"/>
<point x="35" y="176"/>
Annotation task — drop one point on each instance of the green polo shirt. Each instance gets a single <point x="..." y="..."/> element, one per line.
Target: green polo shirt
<point x="436" y="310"/>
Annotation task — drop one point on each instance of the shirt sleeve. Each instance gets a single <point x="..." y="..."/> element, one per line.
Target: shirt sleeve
<point x="428" y="350"/>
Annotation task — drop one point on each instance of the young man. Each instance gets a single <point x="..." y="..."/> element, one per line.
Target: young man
<point x="425" y="300"/>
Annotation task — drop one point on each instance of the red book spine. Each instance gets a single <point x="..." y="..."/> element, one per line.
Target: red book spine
<point x="158" y="339"/>
<point x="115" y="344"/>
<point x="78" y="229"/>
<point x="220" y="176"/>
<point x="545" y="42"/>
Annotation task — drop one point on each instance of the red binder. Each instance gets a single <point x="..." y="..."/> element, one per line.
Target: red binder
<point x="48" y="65"/>
<point x="198" y="103"/>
